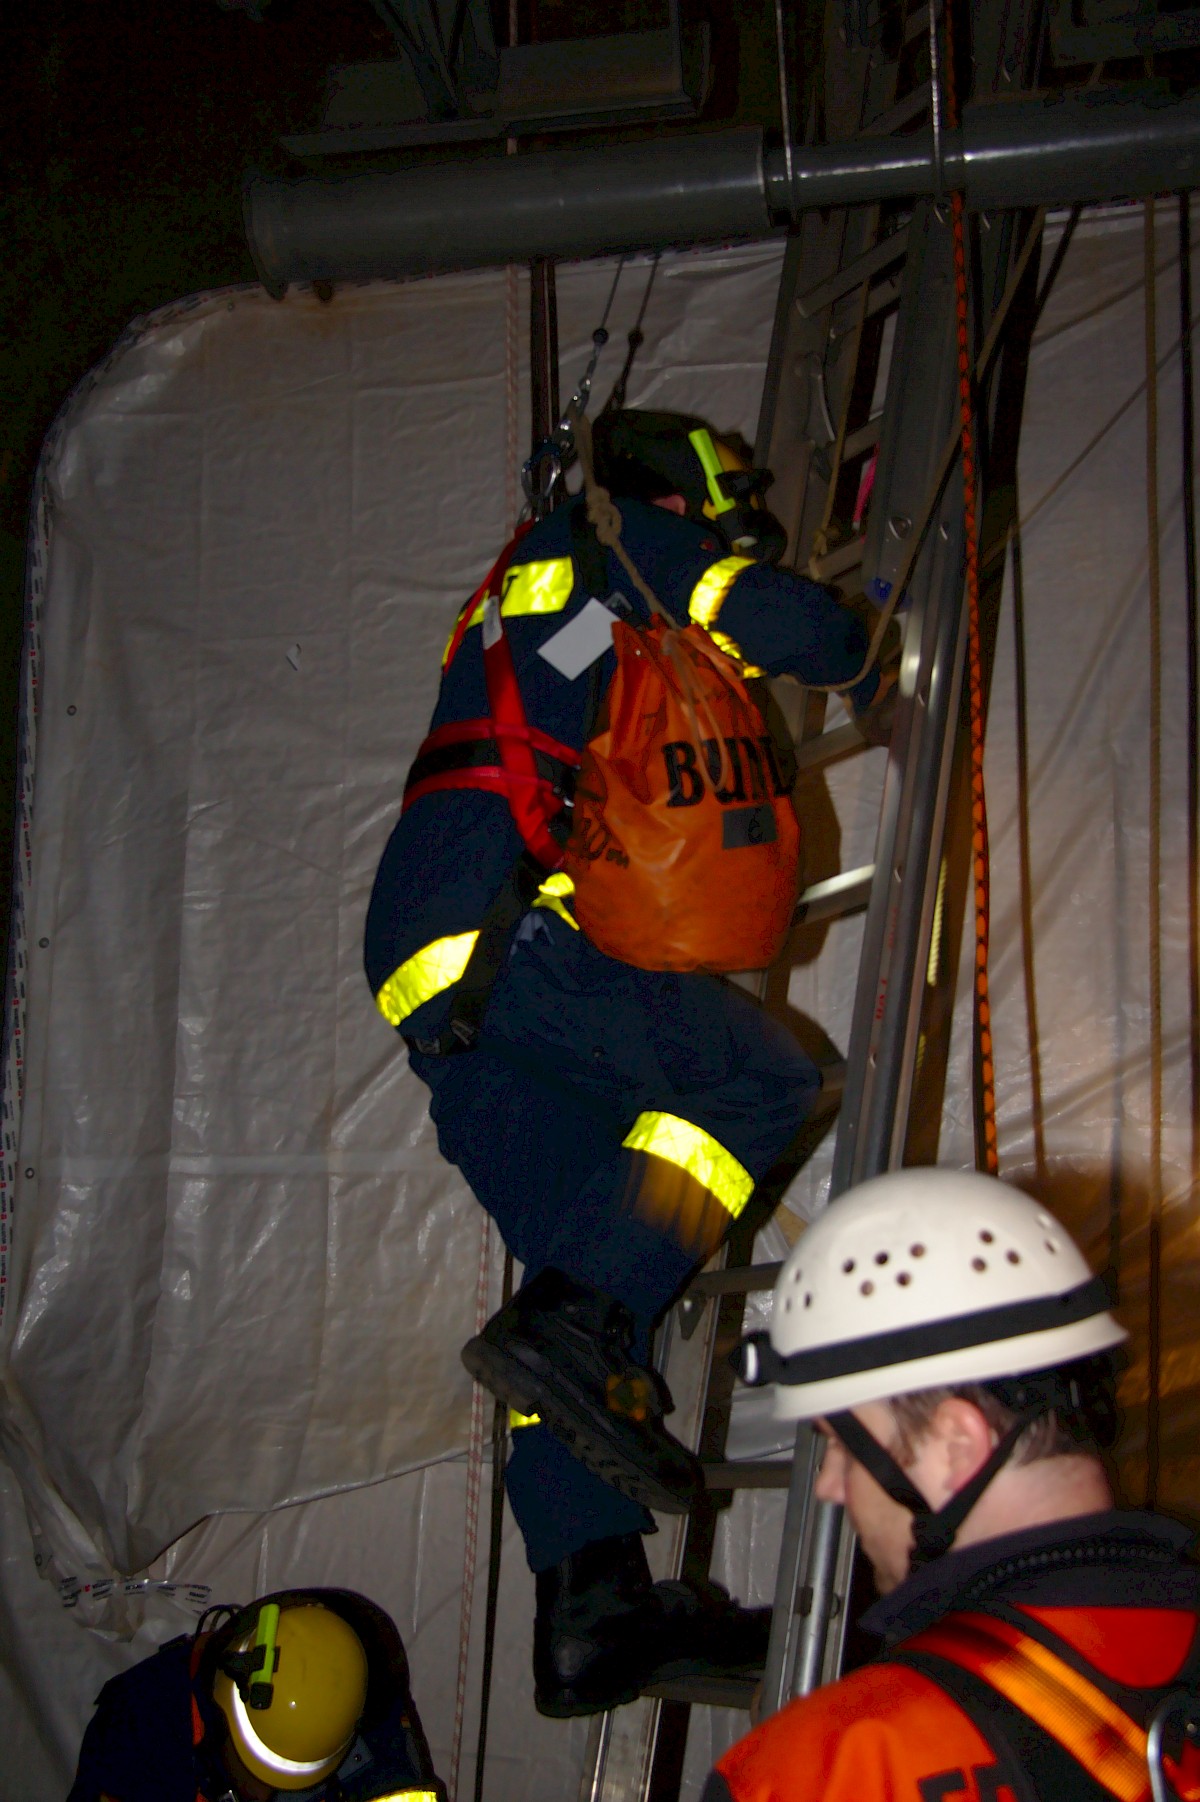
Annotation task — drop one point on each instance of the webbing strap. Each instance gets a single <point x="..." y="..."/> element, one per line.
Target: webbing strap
<point x="469" y="754"/>
<point x="531" y="801"/>
<point x="193" y="1668"/>
<point x="474" y="982"/>
<point x="1074" y="1711"/>
<point x="491" y="584"/>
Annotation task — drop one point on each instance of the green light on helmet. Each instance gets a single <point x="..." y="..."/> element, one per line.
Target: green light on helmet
<point x="701" y="442"/>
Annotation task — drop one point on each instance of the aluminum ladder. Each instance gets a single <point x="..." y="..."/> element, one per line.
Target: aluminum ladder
<point x="845" y="276"/>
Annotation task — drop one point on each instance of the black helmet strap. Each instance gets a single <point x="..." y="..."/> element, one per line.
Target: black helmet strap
<point x="934" y="1529"/>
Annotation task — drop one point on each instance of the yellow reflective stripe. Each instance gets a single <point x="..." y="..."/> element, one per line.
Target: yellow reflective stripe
<point x="409" y="1795"/>
<point x="516" y="1420"/>
<point x="536" y="588"/>
<point x="530" y="588"/>
<point x="554" y="893"/>
<point x="424" y="975"/>
<point x="690" y="1148"/>
<point x="708" y="596"/>
<point x="733" y="649"/>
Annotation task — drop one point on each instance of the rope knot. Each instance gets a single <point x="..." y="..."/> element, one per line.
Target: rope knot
<point x="603" y="515"/>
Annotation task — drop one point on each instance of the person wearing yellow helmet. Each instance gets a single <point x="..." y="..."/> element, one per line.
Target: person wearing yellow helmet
<point x="304" y="1694"/>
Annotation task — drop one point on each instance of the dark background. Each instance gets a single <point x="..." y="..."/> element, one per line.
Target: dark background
<point x="126" y="128"/>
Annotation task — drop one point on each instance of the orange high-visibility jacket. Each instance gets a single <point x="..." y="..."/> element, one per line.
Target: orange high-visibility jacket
<point x="891" y="1733"/>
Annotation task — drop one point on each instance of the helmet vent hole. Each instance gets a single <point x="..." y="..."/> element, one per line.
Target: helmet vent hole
<point x="867" y="1288"/>
<point x="881" y="1257"/>
<point x="797" y="1277"/>
<point x="985" y="1237"/>
<point x="978" y="1263"/>
<point x="787" y="1304"/>
<point x="1045" y="1222"/>
<point x="848" y="1266"/>
<point x="904" y="1278"/>
<point x="1014" y="1257"/>
<point x="808" y="1301"/>
<point x="1050" y="1245"/>
<point x="916" y="1251"/>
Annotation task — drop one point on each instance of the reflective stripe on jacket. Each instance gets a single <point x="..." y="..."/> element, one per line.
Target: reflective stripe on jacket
<point x="451" y="852"/>
<point x="890" y="1733"/>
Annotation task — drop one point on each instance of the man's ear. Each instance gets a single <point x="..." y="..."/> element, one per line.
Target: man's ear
<point x="964" y="1440"/>
<point x="673" y="503"/>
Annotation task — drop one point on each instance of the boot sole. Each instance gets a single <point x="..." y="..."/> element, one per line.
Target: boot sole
<point x="521" y="1388"/>
<point x="569" y="1707"/>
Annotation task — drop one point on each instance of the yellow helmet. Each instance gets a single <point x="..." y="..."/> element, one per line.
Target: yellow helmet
<point x="292" y="1689"/>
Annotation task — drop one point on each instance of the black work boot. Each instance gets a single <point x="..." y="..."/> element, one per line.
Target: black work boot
<point x="604" y="1632"/>
<point x="561" y="1350"/>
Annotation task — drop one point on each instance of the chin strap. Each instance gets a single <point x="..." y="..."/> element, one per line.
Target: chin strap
<point x="934" y="1529"/>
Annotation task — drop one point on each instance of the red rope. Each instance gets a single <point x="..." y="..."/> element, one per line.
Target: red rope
<point x="980" y="858"/>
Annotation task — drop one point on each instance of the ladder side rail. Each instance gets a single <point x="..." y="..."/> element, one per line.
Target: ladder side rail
<point x="785" y="1619"/>
<point x="884" y="1037"/>
<point x="918" y="415"/>
<point x="912" y="890"/>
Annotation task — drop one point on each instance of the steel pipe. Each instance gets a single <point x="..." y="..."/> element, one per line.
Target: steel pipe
<point x="471" y="215"/>
<point x="1060" y="150"/>
<point x="704" y="187"/>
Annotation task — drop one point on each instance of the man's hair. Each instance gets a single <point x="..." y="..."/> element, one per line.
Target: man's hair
<point x="1082" y="1422"/>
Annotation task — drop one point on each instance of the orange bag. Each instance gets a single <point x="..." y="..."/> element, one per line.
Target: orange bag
<point x="684" y="846"/>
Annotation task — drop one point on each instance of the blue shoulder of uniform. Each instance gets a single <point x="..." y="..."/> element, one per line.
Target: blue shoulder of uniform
<point x="138" y="1744"/>
<point x="550" y="537"/>
<point x="670" y="553"/>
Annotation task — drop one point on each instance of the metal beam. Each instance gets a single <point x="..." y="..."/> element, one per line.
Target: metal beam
<point x="1089" y="146"/>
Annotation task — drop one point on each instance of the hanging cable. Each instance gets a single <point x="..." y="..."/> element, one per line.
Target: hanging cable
<point x="1191" y="611"/>
<point x="553" y="455"/>
<point x="471" y="1532"/>
<point x="785" y="105"/>
<point x="495" y="1544"/>
<point x="986" y="1151"/>
<point x="1154" y="875"/>
<point x="616" y="399"/>
<point x="1025" y="860"/>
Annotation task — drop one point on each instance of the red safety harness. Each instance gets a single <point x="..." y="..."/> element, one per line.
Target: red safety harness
<point x="1027" y="1672"/>
<point x="502" y="753"/>
<point x="198" y="1729"/>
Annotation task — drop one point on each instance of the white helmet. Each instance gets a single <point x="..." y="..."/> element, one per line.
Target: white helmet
<point x="921" y="1278"/>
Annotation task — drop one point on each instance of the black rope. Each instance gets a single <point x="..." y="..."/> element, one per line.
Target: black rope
<point x="616" y="399"/>
<point x="1188" y="435"/>
<point x="1056" y="263"/>
<point x="499" y="1445"/>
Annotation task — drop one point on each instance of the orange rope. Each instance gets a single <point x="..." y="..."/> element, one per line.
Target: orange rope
<point x="979" y="827"/>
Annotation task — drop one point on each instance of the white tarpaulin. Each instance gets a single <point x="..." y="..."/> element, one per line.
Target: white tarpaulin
<point x="241" y="1274"/>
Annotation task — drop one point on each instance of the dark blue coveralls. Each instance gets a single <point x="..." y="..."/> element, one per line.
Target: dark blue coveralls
<point x="579" y="1052"/>
<point x="140" y="1745"/>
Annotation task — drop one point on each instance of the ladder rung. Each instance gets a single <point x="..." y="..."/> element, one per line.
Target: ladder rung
<point x="866" y="437"/>
<point x="846" y="556"/>
<point x="834" y="1081"/>
<point x="837" y="742"/>
<point x="750" y="1279"/>
<point x="883" y="294"/>
<point x="748" y="1473"/>
<point x="900" y="115"/>
<point x="918" y="23"/>
<point x="852" y="275"/>
<point x="837" y="895"/>
<point x="707" y="1692"/>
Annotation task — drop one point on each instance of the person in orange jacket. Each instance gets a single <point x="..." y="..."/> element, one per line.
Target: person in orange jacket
<point x="946" y="1337"/>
